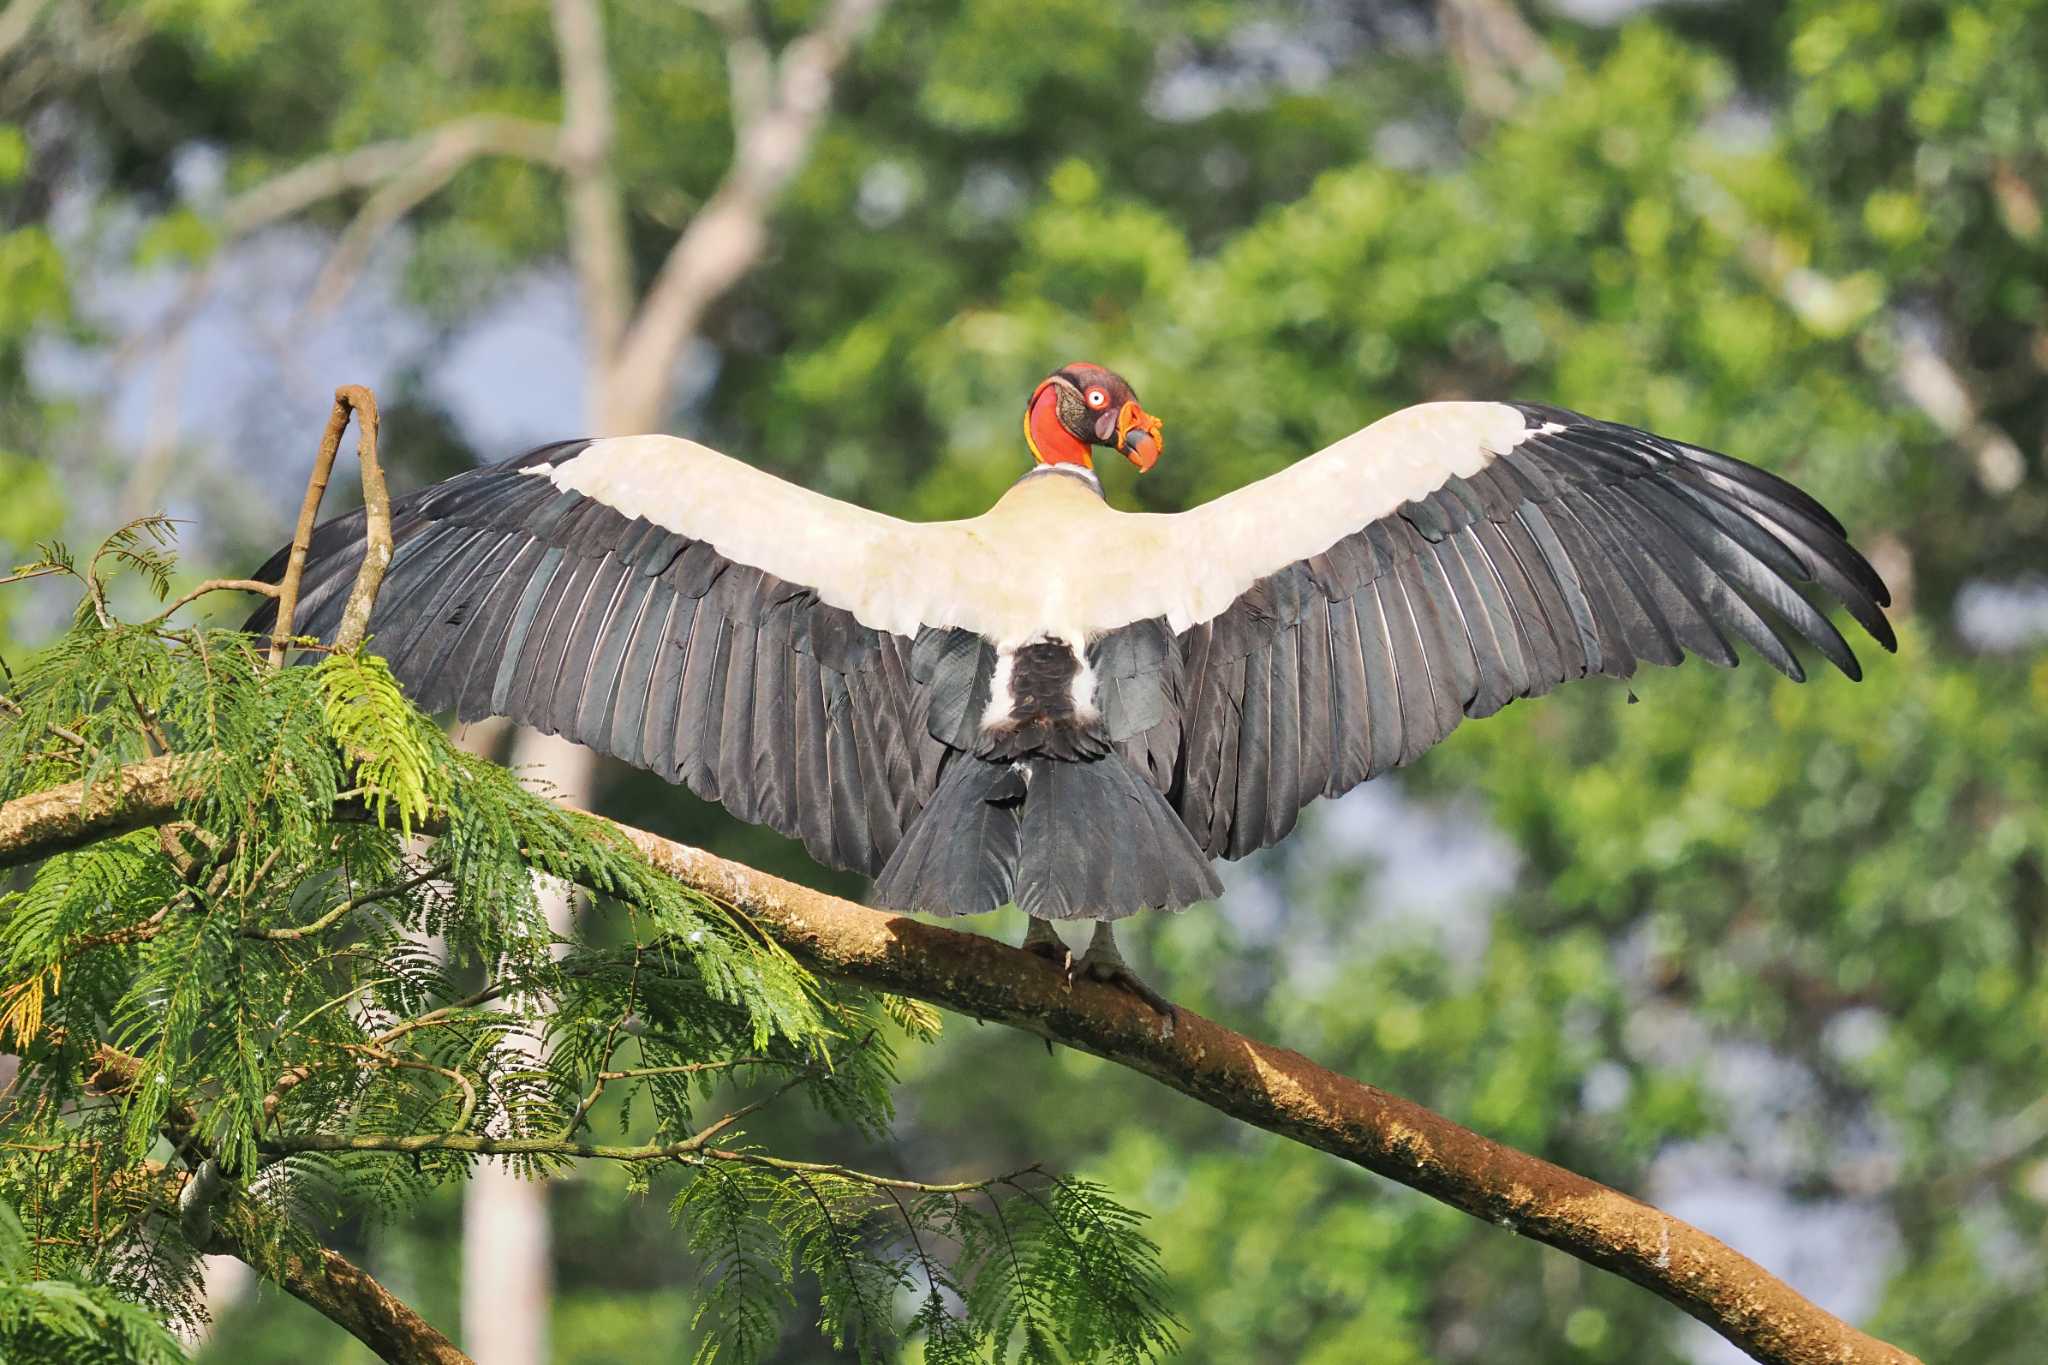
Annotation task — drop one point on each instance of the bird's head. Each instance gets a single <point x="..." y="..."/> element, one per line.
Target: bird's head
<point x="1082" y="405"/>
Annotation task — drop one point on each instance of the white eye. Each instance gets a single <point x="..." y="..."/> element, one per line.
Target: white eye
<point x="1098" y="398"/>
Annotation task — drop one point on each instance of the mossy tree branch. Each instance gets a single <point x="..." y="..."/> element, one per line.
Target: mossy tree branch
<point x="320" y="1277"/>
<point x="1269" y="1087"/>
<point x="351" y="1298"/>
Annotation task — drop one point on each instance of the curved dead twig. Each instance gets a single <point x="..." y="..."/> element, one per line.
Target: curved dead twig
<point x="355" y="617"/>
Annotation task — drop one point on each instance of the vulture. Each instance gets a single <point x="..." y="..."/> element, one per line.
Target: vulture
<point x="1057" y="704"/>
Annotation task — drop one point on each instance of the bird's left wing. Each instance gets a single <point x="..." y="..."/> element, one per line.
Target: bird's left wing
<point x="673" y="607"/>
<point x="1342" y="616"/>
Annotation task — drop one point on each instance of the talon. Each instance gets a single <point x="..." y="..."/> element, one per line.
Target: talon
<point x="1104" y="963"/>
<point x="1041" y="939"/>
<point x="1058" y="954"/>
<point x="1117" y="974"/>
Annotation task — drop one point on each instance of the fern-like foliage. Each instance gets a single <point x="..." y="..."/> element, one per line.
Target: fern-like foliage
<point x="293" y="986"/>
<point x="45" y="1319"/>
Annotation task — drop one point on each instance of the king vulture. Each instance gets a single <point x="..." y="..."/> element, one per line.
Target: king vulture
<point x="1057" y="704"/>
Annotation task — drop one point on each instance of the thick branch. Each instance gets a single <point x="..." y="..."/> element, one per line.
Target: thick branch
<point x="16" y="21"/>
<point x="1286" y="1093"/>
<point x="352" y="1299"/>
<point x="459" y="140"/>
<point x="329" y="1282"/>
<point x="727" y="236"/>
<point x="1496" y="53"/>
<point x="1271" y="1088"/>
<point x="43" y="823"/>
<point x="440" y="160"/>
<point x="598" y="246"/>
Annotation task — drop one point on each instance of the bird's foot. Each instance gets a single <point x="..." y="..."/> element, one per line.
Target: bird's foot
<point x="1103" y="962"/>
<point x="1120" y="974"/>
<point x="1042" y="939"/>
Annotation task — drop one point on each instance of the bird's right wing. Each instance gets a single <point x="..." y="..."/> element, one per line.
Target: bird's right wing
<point x="682" y="611"/>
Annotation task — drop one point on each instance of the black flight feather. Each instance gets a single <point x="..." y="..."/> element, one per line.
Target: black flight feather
<point x="509" y="661"/>
<point x="1351" y="708"/>
<point x="1314" y="676"/>
<point x="665" y="693"/>
<point x="1283" y="749"/>
<point x="636" y="674"/>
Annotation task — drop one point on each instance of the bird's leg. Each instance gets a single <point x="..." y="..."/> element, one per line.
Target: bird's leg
<point x="1102" y="962"/>
<point x="1041" y="938"/>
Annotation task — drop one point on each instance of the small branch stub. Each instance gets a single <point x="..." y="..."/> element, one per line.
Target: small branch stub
<point x="355" y="617"/>
<point x="355" y="621"/>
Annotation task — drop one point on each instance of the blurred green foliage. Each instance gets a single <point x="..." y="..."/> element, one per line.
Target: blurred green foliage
<point x="1740" y="223"/>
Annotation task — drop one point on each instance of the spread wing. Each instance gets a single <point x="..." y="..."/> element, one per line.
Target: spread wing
<point x="813" y="665"/>
<point x="613" y="592"/>
<point x="1440" y="564"/>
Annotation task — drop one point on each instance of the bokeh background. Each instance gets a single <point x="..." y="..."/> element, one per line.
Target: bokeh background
<point x="1769" y="955"/>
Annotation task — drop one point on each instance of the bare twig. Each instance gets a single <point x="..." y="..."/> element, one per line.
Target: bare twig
<point x="143" y="489"/>
<point x="1907" y="355"/>
<point x="1937" y="387"/>
<point x="605" y="1051"/>
<point x="68" y="735"/>
<point x="376" y="501"/>
<point x="440" y="160"/>
<point x="475" y="1144"/>
<point x="302" y="537"/>
<point x="724" y="1121"/>
<point x="362" y="599"/>
<point x="1267" y="1087"/>
<point x="139" y="932"/>
<point x="467" y="1086"/>
<point x="39" y="571"/>
<point x="213" y="585"/>
<point x="165" y="329"/>
<point x="348" y="907"/>
<point x="298" y="1075"/>
<point x="687" y="1068"/>
<point x="482" y="996"/>
<point x="749" y="66"/>
<point x="693" y="1150"/>
<point x="400" y="174"/>
<point x="1504" y="61"/>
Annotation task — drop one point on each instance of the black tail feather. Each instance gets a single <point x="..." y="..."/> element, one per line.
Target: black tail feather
<point x="1061" y="840"/>
<point x="959" y="857"/>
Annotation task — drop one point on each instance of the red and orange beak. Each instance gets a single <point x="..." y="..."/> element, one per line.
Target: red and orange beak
<point x="1138" y="436"/>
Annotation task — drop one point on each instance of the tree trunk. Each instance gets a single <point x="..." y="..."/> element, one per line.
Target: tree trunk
<point x="507" y="1245"/>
